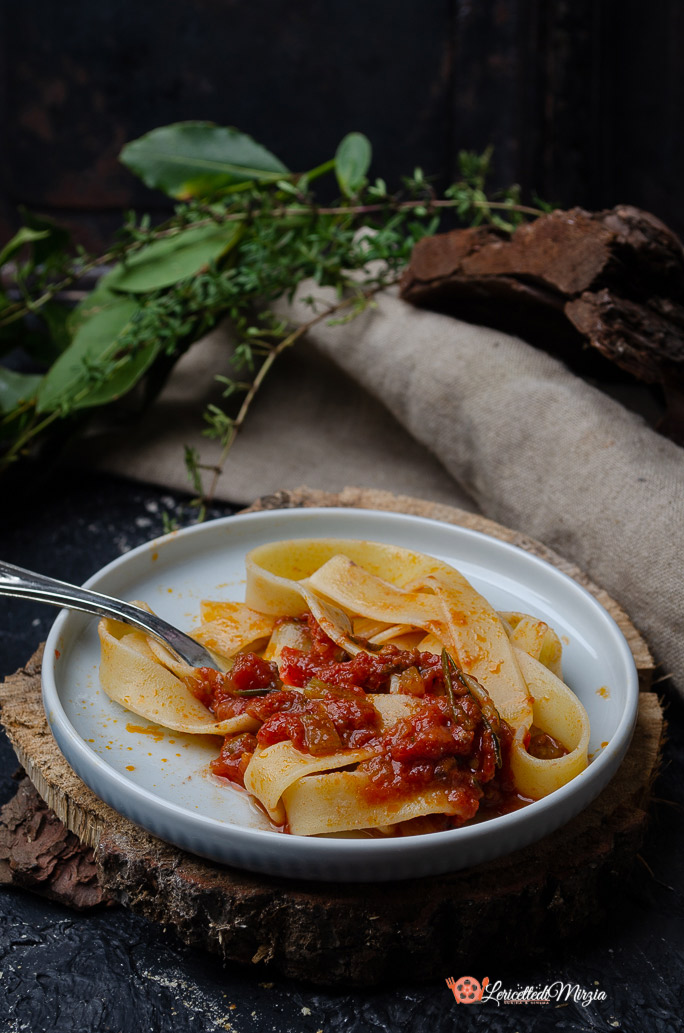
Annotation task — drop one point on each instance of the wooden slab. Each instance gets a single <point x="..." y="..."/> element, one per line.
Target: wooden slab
<point x="362" y="934"/>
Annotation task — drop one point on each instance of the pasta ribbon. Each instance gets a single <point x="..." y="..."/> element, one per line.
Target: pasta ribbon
<point x="228" y="628"/>
<point x="273" y="769"/>
<point x="139" y="674"/>
<point x="557" y="711"/>
<point x="338" y="802"/>
<point x="423" y="593"/>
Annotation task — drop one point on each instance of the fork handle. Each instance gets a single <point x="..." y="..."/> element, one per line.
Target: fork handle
<point x="25" y="584"/>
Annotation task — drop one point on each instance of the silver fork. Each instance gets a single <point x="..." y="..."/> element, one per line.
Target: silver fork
<point x="24" y="584"/>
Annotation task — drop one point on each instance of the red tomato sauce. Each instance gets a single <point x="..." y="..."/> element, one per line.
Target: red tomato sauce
<point x="317" y="701"/>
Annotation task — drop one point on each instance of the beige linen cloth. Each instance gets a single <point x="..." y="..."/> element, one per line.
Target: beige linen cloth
<point x="423" y="404"/>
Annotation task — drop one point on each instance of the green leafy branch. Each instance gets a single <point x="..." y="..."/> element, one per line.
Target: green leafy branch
<point x="245" y="231"/>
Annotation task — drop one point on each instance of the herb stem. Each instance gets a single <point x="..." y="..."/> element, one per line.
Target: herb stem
<point x="428" y="204"/>
<point x="448" y="684"/>
<point x="481" y="697"/>
<point x="273" y="353"/>
<point x="14" y="312"/>
<point x="34" y="428"/>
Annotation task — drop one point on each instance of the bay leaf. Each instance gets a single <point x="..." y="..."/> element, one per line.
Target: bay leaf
<point x="164" y="262"/>
<point x="72" y="381"/>
<point x="352" y="161"/>
<point x="199" y="159"/>
<point x="16" y="387"/>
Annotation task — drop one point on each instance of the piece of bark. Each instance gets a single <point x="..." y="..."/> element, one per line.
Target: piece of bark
<point x="647" y="341"/>
<point x="357" y="934"/>
<point x="613" y="280"/>
<point x="38" y="852"/>
<point x="565" y="252"/>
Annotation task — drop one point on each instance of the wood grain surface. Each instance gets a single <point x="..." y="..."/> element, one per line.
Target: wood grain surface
<point x="357" y="934"/>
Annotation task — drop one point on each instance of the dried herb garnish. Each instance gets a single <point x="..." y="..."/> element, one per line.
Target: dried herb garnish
<point x="243" y="693"/>
<point x="491" y="718"/>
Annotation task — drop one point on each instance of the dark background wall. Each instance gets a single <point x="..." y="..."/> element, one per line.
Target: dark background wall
<point x="582" y="99"/>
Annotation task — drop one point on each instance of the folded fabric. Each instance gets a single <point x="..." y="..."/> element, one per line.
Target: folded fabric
<point x="309" y="424"/>
<point x="424" y="404"/>
<point x="536" y="447"/>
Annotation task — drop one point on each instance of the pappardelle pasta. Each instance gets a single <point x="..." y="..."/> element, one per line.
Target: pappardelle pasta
<point x="364" y="687"/>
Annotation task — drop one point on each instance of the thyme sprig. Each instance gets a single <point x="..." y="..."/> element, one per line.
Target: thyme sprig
<point x="491" y="718"/>
<point x="241" y="236"/>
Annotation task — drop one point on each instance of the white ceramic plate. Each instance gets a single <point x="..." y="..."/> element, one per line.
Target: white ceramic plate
<point x="160" y="779"/>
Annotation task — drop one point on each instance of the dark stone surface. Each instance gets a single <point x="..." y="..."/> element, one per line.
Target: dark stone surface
<point x="110" y="970"/>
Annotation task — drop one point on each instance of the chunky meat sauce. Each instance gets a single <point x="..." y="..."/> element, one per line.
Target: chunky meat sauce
<point x="443" y="744"/>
